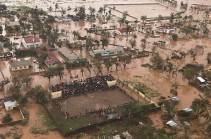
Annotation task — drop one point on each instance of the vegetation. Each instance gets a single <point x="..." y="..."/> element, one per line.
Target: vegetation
<point x="39" y="94"/>
<point x="7" y="118"/>
<point x="191" y="71"/>
<point x="157" y="61"/>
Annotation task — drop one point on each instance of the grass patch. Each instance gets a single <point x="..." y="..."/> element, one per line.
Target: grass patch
<point x="37" y="130"/>
<point x="46" y="120"/>
<point x="146" y="90"/>
<point x="147" y="65"/>
<point x="71" y="125"/>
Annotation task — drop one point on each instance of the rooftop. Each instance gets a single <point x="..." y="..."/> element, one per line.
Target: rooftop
<point x="123" y="30"/>
<point x="107" y="50"/>
<point x="15" y="64"/>
<point x="67" y="53"/>
<point x="15" y="23"/>
<point x="51" y="59"/>
<point x="165" y="27"/>
<point x="10" y="104"/>
<point x="32" y="39"/>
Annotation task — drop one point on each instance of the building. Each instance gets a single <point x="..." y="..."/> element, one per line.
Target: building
<point x="13" y="24"/>
<point x="51" y="60"/>
<point x="63" y="38"/>
<point x="123" y="31"/>
<point x="55" y="95"/>
<point x="174" y="125"/>
<point x="165" y="29"/>
<point x="21" y="65"/>
<point x="68" y="54"/>
<point x="201" y="7"/>
<point x="31" y="41"/>
<point x="10" y="105"/>
<point x="201" y="80"/>
<point x="106" y="52"/>
<point x="5" y="54"/>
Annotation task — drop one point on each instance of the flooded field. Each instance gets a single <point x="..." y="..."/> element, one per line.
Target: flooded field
<point x="158" y="80"/>
<point x="150" y="10"/>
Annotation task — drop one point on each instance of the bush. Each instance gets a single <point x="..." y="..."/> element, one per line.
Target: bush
<point x="174" y="92"/>
<point x="175" y="37"/>
<point x="24" y="121"/>
<point x="7" y="118"/>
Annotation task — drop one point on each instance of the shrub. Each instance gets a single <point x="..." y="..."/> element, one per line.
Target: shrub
<point x="24" y="121"/>
<point x="7" y="118"/>
<point x="175" y="37"/>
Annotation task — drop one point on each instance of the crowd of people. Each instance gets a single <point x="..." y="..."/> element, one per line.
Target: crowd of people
<point x="83" y="86"/>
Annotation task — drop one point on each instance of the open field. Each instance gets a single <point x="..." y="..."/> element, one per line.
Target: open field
<point x="95" y="101"/>
<point x="149" y="10"/>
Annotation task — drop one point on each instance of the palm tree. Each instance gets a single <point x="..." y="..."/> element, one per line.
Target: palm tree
<point x="143" y="18"/>
<point x="143" y="43"/>
<point x="120" y="21"/>
<point x="100" y="11"/>
<point x="132" y="43"/>
<point x="50" y="9"/>
<point x="172" y="16"/>
<point x="128" y="29"/>
<point x="201" y="107"/>
<point x="104" y="42"/>
<point x="91" y="11"/>
<point x="63" y="12"/>
<point x="56" y="7"/>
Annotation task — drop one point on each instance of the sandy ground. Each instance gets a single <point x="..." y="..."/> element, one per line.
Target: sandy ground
<point x="95" y="101"/>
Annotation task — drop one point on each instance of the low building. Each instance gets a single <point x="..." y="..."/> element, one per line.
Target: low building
<point x="68" y="54"/>
<point x="174" y="125"/>
<point x="201" y="80"/>
<point x="12" y="24"/>
<point x="51" y="60"/>
<point x="10" y="105"/>
<point x="5" y="54"/>
<point x="57" y="94"/>
<point x="63" y="38"/>
<point x="165" y="29"/>
<point x="123" y="31"/>
<point x="106" y="52"/>
<point x="31" y="41"/>
<point x="201" y="6"/>
<point x="21" y="65"/>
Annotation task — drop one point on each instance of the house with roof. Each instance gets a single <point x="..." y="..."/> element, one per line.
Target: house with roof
<point x="69" y="55"/>
<point x="31" y="41"/>
<point x="106" y="52"/>
<point x="123" y="31"/>
<point x="13" y="24"/>
<point x="166" y="29"/>
<point x="10" y="105"/>
<point x="21" y="65"/>
<point x="63" y="38"/>
<point x="51" y="60"/>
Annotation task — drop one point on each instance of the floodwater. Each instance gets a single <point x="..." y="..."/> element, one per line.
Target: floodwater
<point x="157" y="80"/>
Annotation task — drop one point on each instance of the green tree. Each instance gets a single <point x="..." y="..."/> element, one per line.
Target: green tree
<point x="143" y="18"/>
<point x="190" y="73"/>
<point x="7" y="118"/>
<point x="105" y="42"/>
<point x="157" y="61"/>
<point x="169" y="107"/>
<point x="174" y="37"/>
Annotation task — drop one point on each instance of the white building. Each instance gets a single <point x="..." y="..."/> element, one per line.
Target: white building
<point x="106" y="52"/>
<point x="9" y="105"/>
<point x="31" y="42"/>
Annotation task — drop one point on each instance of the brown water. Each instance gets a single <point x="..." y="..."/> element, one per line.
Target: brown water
<point x="157" y="80"/>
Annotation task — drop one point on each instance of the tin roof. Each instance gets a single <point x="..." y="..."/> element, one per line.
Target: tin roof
<point x="15" y="64"/>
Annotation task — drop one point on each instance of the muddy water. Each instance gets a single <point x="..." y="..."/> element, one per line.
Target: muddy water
<point x="157" y="80"/>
